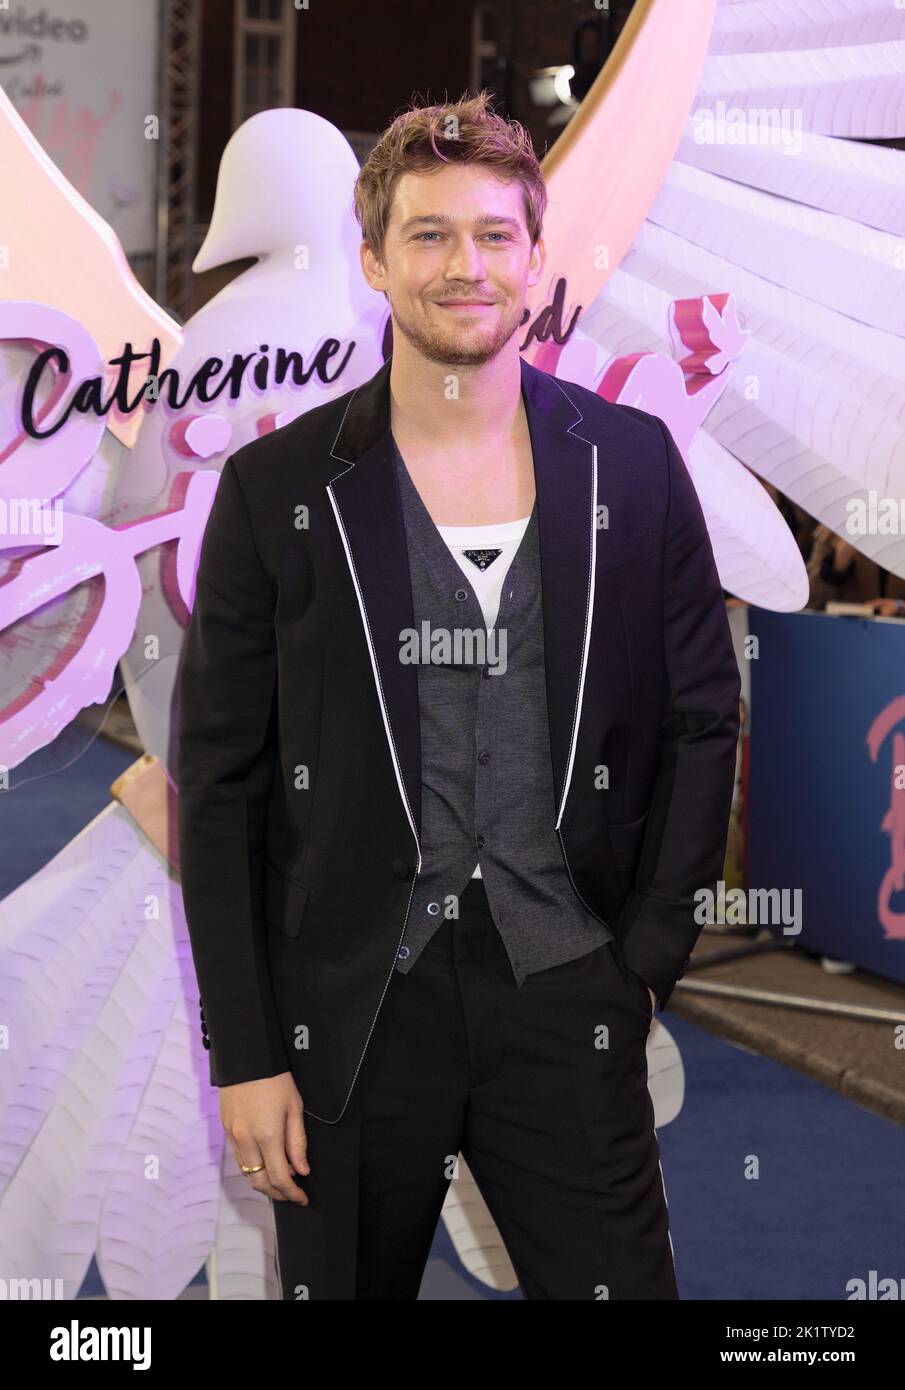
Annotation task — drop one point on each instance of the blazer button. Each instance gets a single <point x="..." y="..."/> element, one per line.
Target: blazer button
<point x="206" y="1043"/>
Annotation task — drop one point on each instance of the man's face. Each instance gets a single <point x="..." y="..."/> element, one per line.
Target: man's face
<point x="457" y="263"/>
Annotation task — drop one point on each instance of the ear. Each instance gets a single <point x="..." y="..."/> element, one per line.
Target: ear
<point x="537" y="261"/>
<point x="372" y="268"/>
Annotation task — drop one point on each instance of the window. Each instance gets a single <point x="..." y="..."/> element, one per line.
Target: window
<point x="485" y="48"/>
<point x="264" y="66"/>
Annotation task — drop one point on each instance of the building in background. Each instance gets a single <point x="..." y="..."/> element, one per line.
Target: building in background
<point x="135" y="101"/>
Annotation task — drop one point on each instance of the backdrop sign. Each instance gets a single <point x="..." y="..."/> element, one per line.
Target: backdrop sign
<point x="81" y="74"/>
<point x="827" y="780"/>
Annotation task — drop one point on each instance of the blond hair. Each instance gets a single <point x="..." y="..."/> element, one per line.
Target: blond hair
<point x="423" y="137"/>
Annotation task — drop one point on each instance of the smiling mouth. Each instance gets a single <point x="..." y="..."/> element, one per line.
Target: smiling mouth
<point x="465" y="303"/>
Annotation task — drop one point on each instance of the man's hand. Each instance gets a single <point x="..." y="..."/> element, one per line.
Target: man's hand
<point x="263" y="1122"/>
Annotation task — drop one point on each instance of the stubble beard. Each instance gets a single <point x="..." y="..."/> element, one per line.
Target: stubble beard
<point x="463" y="349"/>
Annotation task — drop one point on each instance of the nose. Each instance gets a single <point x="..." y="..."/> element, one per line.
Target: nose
<point x="465" y="264"/>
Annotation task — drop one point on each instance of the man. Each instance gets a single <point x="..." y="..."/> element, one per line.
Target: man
<point x="458" y="726"/>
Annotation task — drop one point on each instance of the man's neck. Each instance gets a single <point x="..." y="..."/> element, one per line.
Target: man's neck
<point x="486" y="407"/>
<point x="470" y="458"/>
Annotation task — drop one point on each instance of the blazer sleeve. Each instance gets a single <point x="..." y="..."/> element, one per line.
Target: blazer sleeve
<point x="684" y="844"/>
<point x="225" y="755"/>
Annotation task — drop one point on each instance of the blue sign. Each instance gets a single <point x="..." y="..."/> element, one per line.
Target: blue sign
<point x="826" y="792"/>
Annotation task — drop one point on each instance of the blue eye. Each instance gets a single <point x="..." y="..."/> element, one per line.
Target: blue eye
<point x="420" y="235"/>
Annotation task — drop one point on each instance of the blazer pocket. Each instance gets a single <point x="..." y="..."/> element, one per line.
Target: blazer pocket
<point x="613" y="551"/>
<point x="285" y="900"/>
<point x="626" y="837"/>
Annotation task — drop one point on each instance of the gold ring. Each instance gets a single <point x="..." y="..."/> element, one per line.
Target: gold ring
<point x="256" y="1169"/>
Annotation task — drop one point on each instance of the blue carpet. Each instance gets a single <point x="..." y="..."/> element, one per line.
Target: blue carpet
<point x="757" y="1171"/>
<point x="777" y="1187"/>
<point x="825" y="1205"/>
<point x="52" y="798"/>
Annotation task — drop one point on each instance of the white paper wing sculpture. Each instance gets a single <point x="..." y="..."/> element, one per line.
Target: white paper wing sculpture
<point x="748" y="290"/>
<point x="774" y="213"/>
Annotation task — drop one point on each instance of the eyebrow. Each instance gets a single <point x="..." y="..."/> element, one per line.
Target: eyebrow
<point x="445" y="220"/>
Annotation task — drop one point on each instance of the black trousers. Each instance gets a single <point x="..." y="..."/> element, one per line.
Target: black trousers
<point x="542" y="1088"/>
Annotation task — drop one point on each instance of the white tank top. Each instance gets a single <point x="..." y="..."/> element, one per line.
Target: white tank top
<point x="484" y="570"/>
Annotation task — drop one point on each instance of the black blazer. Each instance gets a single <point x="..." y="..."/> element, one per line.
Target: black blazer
<point x="299" y="749"/>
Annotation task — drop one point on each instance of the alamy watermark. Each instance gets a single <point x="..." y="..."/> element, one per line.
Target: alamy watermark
<point x="875" y="515"/>
<point x="32" y="518"/>
<point x="459" y="646"/>
<point x="738" y="125"/>
<point x="750" y="906"/>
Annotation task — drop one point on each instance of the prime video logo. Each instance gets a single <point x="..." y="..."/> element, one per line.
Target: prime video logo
<point x="77" y="1343"/>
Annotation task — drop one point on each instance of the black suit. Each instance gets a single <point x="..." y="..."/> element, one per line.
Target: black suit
<point x="299" y="749"/>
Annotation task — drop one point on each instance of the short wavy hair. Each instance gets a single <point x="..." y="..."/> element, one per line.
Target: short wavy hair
<point x="422" y="137"/>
